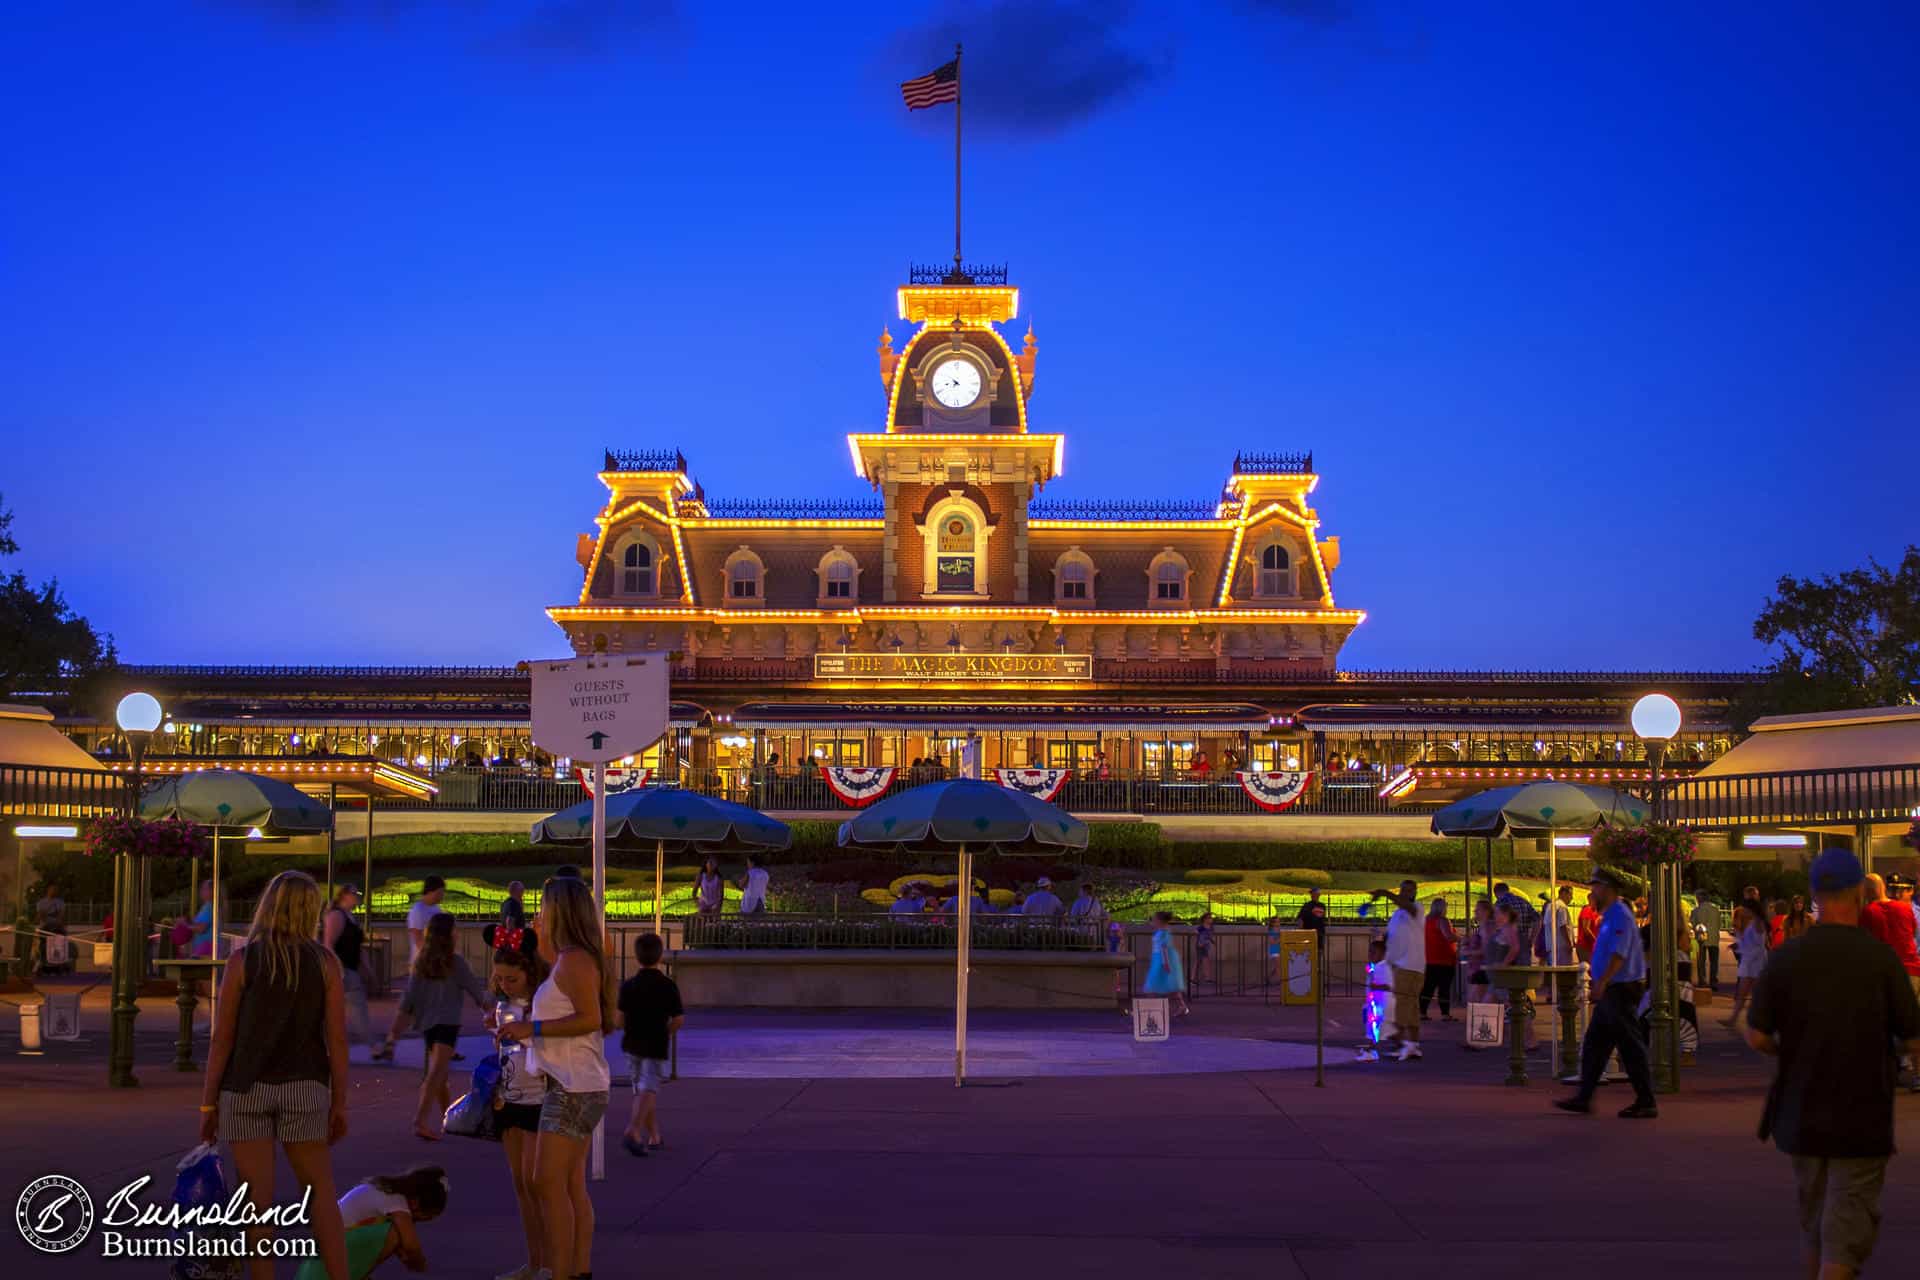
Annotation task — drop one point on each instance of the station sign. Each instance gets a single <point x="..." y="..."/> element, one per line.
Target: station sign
<point x="953" y="666"/>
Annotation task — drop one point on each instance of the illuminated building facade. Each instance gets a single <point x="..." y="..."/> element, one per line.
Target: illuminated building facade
<point x="963" y="602"/>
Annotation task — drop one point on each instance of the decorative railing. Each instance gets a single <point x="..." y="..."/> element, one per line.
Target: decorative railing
<point x="973" y="273"/>
<point x="796" y="508"/>
<point x="1874" y="793"/>
<point x="28" y="792"/>
<point x="1273" y="464"/>
<point x="645" y="460"/>
<point x="164" y="671"/>
<point x="1634" y="678"/>
<point x="1123" y="509"/>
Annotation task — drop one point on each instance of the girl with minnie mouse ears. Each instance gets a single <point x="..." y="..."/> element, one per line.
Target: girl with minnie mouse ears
<point x="517" y="971"/>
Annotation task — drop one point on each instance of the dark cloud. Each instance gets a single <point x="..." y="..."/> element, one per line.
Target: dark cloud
<point x="1033" y="66"/>
<point x="546" y="29"/>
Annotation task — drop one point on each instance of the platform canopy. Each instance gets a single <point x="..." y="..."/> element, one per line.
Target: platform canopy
<point x="1876" y="737"/>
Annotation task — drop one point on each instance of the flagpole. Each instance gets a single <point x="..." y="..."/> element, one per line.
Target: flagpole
<point x="956" y="157"/>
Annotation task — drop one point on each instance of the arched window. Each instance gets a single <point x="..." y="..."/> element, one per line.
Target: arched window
<point x="1073" y="578"/>
<point x="746" y="577"/>
<point x="1276" y="571"/>
<point x="636" y="570"/>
<point x="1169" y="581"/>
<point x="953" y="565"/>
<point x="840" y="580"/>
<point x="954" y="535"/>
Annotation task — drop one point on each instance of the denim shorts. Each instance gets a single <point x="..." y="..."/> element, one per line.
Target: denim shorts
<point x="648" y="1073"/>
<point x="572" y="1115"/>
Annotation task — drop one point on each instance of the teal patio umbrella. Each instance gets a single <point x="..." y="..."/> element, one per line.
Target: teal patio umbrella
<point x="1538" y="808"/>
<point x="965" y="816"/>
<point x="667" y="818"/>
<point x="233" y="803"/>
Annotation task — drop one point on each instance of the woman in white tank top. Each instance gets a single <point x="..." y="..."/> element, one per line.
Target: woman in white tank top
<point x="565" y="1038"/>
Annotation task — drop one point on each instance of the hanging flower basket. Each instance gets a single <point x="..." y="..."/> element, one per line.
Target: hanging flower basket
<point x="1651" y="845"/>
<point x="110" y="837"/>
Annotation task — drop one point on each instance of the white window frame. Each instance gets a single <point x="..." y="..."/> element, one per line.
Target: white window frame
<point x="1289" y="584"/>
<point x="627" y="541"/>
<point x="745" y="555"/>
<point x="1169" y="557"/>
<point x="833" y="558"/>
<point x="1076" y="558"/>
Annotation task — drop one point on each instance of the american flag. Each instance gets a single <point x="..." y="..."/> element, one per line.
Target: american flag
<point x="940" y="85"/>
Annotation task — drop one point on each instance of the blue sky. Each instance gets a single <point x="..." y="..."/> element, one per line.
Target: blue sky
<point x="315" y="315"/>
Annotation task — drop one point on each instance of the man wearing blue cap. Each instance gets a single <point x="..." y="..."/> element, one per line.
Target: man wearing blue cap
<point x="1834" y="1004"/>
<point x="1619" y="980"/>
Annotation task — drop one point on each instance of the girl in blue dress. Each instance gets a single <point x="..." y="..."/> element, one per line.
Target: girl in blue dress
<point x="1166" y="976"/>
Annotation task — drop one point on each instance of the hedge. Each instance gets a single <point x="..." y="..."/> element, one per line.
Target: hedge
<point x="1204" y="876"/>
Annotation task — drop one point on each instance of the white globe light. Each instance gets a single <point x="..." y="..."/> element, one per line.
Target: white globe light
<point x="138" y="713"/>
<point x="1656" y="716"/>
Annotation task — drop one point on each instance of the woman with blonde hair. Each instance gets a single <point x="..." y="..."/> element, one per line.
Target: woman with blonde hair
<point x="277" y="1068"/>
<point x="573" y="1010"/>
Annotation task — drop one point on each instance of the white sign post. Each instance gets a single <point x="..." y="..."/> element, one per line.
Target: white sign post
<point x="595" y="710"/>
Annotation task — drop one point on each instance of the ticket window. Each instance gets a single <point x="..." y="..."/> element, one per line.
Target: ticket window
<point x="1166" y="757"/>
<point x="1077" y="756"/>
<point x="848" y="752"/>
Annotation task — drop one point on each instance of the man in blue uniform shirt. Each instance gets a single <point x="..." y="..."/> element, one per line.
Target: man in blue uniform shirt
<point x="1619" y="981"/>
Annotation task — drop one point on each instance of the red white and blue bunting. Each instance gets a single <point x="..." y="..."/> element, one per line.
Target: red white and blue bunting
<point x="855" y="785"/>
<point x="619" y="779"/>
<point x="1273" y="791"/>
<point x="1041" y="784"/>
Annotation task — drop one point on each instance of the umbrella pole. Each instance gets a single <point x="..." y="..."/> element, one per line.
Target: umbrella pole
<point x="659" y="885"/>
<point x="599" y="1162"/>
<point x="213" y="943"/>
<point x="963" y="955"/>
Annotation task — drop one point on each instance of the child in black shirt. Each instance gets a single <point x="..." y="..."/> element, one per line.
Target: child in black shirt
<point x="650" y="1012"/>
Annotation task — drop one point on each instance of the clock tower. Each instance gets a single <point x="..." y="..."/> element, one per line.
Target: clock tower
<point x="955" y="463"/>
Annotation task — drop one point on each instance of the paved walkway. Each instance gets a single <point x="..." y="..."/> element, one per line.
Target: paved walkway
<point x="1431" y="1166"/>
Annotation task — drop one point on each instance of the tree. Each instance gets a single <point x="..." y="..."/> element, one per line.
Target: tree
<point x="1844" y="642"/>
<point x="45" y="646"/>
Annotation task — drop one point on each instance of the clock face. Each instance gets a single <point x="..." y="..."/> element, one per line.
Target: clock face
<point x="956" y="383"/>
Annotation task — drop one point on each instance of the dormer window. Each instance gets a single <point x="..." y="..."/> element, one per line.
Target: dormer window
<point x="1170" y="581"/>
<point x="636" y="570"/>
<point x="1073" y="578"/>
<point x="636" y="563"/>
<point x="839" y="575"/>
<point x="746" y="577"/>
<point x="1276" y="571"/>
<point x="1167" y="578"/>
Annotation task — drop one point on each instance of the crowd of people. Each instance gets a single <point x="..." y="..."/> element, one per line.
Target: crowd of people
<point x="276" y="1073"/>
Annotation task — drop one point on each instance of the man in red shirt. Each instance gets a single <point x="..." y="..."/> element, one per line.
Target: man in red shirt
<point x="1892" y="923"/>
<point x="1588" y="926"/>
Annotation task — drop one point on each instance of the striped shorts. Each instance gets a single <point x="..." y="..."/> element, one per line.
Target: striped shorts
<point x="292" y="1112"/>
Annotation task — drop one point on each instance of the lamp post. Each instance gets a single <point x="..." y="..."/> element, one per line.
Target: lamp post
<point x="138" y="715"/>
<point x="1656" y="718"/>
